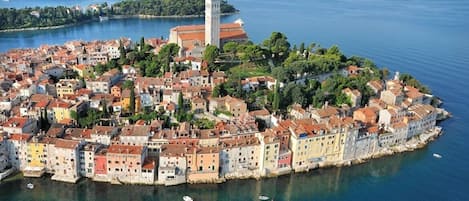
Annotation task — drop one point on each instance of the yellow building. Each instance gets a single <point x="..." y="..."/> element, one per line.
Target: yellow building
<point x="84" y="70"/>
<point x="67" y="87"/>
<point x="36" y="157"/>
<point x="125" y="100"/>
<point x="318" y="144"/>
<point x="61" y="110"/>
<point x="39" y="158"/>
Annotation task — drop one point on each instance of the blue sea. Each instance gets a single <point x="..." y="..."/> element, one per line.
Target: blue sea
<point x="426" y="38"/>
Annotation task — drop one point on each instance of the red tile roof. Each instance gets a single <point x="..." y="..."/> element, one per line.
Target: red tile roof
<point x="17" y="122"/>
<point x="126" y="149"/>
<point x="20" y="137"/>
<point x="66" y="144"/>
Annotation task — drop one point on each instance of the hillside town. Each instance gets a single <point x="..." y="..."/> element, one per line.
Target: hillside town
<point x="37" y="90"/>
<point x="67" y="112"/>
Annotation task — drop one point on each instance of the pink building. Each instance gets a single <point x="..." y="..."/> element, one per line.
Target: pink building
<point x="284" y="159"/>
<point x="100" y="164"/>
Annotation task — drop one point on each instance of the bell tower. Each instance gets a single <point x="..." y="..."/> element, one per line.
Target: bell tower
<point x="212" y="22"/>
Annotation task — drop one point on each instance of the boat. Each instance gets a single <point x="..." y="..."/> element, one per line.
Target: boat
<point x="263" y="197"/>
<point x="187" y="198"/>
<point x="103" y="18"/>
<point x="30" y="186"/>
<point x="437" y="155"/>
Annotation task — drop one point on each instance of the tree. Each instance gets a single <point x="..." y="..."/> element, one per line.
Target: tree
<point x="282" y="74"/>
<point x="142" y="44"/>
<point x="298" y="95"/>
<point x="132" y="101"/>
<point x="204" y="123"/>
<point x="276" y="101"/>
<point x="74" y="115"/>
<point x="100" y="69"/>
<point x="302" y="48"/>
<point x="128" y="84"/>
<point x="122" y="52"/>
<point x="44" y="122"/>
<point x="384" y="73"/>
<point x="341" y="98"/>
<point x="180" y="111"/>
<point x="278" y="45"/>
<point x="210" y="54"/>
<point x="219" y="90"/>
<point x="165" y="56"/>
<point x="230" y="48"/>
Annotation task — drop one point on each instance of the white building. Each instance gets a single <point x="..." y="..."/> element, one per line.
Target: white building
<point x="173" y="165"/>
<point x="422" y="118"/>
<point x="87" y="159"/>
<point x="103" y="134"/>
<point x="4" y="161"/>
<point x="135" y="135"/>
<point x="18" y="150"/>
<point x="67" y="167"/>
<point x="240" y="156"/>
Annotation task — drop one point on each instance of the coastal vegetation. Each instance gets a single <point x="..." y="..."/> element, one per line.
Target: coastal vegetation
<point x="299" y="68"/>
<point x="11" y="18"/>
<point x="37" y="17"/>
<point x="165" y="7"/>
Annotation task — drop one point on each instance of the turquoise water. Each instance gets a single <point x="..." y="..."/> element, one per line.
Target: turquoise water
<point x="427" y="38"/>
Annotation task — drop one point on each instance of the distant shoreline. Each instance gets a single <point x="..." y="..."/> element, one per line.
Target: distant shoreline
<point x="117" y="17"/>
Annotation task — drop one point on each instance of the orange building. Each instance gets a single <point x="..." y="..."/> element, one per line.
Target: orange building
<point x="366" y="115"/>
<point x="191" y="38"/>
<point x="202" y="164"/>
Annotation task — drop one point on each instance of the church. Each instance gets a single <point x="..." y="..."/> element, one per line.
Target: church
<point x="193" y="38"/>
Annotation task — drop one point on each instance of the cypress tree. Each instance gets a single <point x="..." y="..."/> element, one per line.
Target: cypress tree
<point x="276" y="101"/>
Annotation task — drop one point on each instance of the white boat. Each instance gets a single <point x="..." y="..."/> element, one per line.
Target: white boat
<point x="103" y="18"/>
<point x="437" y="155"/>
<point x="187" y="198"/>
<point x="30" y="186"/>
<point x="263" y="197"/>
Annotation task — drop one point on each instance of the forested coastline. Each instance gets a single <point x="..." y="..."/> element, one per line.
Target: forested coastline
<point x="37" y="17"/>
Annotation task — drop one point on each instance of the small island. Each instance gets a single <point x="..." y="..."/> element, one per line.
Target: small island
<point x="12" y="19"/>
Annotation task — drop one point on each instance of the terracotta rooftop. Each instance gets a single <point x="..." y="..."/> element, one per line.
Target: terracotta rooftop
<point x="103" y="130"/>
<point x="202" y="27"/>
<point x="20" y="136"/>
<point x="125" y="149"/>
<point x="66" y="144"/>
<point x="16" y="122"/>
<point x="173" y="150"/>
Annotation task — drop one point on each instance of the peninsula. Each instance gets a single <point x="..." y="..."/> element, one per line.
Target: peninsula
<point x="204" y="106"/>
<point x="56" y="17"/>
